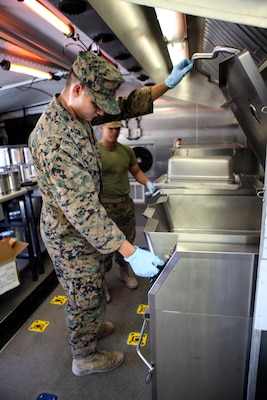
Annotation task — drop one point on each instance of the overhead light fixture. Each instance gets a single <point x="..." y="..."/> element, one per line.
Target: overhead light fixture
<point x="22" y="69"/>
<point x="50" y="17"/>
<point x="173" y="27"/>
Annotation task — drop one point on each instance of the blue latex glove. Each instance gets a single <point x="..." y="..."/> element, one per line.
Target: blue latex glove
<point x="144" y="263"/>
<point x="150" y="189"/>
<point x="178" y="72"/>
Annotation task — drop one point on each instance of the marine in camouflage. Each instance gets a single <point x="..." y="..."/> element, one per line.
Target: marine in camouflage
<point x="74" y="224"/>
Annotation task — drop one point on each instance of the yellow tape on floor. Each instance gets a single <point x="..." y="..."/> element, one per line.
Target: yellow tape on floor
<point x="38" y="326"/>
<point x="60" y="300"/>
<point x="133" y="339"/>
<point x="141" y="308"/>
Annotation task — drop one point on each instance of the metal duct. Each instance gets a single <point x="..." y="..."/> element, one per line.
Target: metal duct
<point x="137" y="28"/>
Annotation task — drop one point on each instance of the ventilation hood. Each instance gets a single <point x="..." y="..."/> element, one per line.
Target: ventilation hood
<point x="246" y="93"/>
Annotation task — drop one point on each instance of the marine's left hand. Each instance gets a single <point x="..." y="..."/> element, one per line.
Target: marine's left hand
<point x="150" y="189"/>
<point x="178" y="72"/>
<point x="144" y="263"/>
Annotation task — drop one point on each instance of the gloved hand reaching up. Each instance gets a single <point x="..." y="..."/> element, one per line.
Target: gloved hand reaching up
<point x="178" y="72"/>
<point x="144" y="263"/>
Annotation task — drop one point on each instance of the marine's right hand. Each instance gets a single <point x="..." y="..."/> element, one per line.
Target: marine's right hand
<point x="178" y="72"/>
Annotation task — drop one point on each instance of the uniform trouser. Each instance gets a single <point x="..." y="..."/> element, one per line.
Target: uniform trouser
<point x="86" y="304"/>
<point x="84" y="313"/>
<point x="124" y="215"/>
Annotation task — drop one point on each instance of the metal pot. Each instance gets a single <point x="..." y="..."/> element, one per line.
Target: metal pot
<point x="4" y="184"/>
<point x="4" y="157"/>
<point x="25" y="170"/>
<point x="27" y="155"/>
<point x="14" y="180"/>
<point x="17" y="156"/>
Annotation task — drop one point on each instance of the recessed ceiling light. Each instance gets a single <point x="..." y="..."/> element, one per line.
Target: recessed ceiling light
<point x="134" y="68"/>
<point x="103" y="37"/>
<point x="122" y="56"/>
<point x="143" y="77"/>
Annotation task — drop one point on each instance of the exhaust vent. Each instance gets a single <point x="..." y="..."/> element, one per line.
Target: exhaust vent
<point x="72" y="7"/>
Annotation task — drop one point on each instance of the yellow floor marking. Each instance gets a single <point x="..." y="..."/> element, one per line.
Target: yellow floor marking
<point x="38" y="326"/>
<point x="60" y="300"/>
<point x="133" y="339"/>
<point x="142" y="308"/>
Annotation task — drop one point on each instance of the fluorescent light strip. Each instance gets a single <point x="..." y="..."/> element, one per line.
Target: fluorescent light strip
<point x="50" y="17"/>
<point x="21" y="69"/>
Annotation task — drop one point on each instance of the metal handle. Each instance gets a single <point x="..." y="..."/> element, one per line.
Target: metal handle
<point x="147" y="363"/>
<point x="214" y="54"/>
<point x="260" y="194"/>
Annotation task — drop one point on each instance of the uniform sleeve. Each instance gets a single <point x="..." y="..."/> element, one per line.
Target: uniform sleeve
<point x="76" y="199"/>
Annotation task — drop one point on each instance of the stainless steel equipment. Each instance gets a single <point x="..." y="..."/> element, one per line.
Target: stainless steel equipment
<point x="248" y="102"/>
<point x="201" y="309"/>
<point x="17" y="155"/>
<point x="211" y="168"/>
<point x="206" y="168"/>
<point x="207" y="218"/>
<point x="4" y="184"/>
<point x="4" y="157"/>
<point x="215" y="52"/>
<point x="201" y="322"/>
<point x="14" y="179"/>
<point x="245" y="90"/>
<point x="17" y="158"/>
<point x="27" y="155"/>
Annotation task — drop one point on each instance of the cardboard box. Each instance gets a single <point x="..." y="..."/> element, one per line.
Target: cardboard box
<point x="9" y="277"/>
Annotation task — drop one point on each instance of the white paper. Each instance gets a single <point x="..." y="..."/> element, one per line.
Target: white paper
<point x="8" y="277"/>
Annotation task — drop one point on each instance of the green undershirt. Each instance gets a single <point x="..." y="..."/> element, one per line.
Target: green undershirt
<point x="115" y="166"/>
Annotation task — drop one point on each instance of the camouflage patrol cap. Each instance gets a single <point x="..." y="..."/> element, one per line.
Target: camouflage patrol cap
<point x="114" y="124"/>
<point x="101" y="78"/>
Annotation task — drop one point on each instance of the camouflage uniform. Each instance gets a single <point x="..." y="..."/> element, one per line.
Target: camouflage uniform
<point x="124" y="215"/>
<point x="75" y="227"/>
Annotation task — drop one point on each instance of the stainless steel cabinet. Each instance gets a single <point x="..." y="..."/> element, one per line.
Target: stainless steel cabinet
<point x="201" y="323"/>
